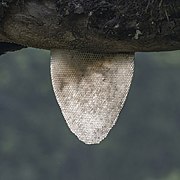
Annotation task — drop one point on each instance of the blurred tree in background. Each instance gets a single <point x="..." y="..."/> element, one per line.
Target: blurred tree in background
<point x="36" y="144"/>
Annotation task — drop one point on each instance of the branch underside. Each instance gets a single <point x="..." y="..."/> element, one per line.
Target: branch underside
<point x="96" y="26"/>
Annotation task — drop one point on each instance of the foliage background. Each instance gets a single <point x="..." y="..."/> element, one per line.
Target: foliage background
<point x="36" y="144"/>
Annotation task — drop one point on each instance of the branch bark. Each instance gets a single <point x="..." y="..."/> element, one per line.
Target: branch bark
<point x="100" y="26"/>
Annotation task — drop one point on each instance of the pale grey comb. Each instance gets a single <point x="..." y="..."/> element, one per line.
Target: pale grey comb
<point x="91" y="90"/>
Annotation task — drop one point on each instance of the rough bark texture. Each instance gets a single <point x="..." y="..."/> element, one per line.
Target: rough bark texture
<point x="92" y="25"/>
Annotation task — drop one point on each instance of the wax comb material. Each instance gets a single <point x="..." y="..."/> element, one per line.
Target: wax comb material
<point x="91" y="90"/>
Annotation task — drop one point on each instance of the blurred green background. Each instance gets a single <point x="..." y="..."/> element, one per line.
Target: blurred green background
<point x="36" y="144"/>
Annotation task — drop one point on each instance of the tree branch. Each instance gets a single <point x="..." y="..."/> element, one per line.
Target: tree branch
<point x="97" y="26"/>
